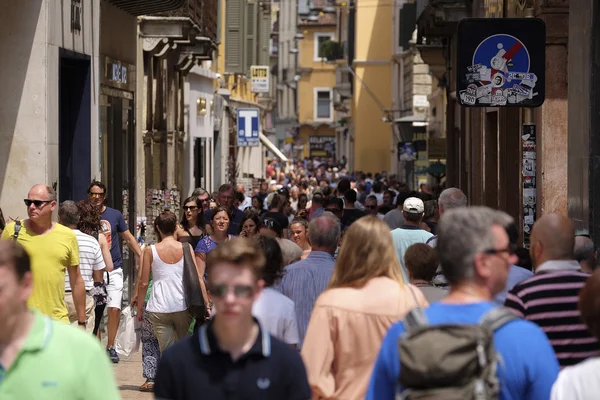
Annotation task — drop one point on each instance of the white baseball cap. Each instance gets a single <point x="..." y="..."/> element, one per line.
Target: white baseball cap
<point x="413" y="205"/>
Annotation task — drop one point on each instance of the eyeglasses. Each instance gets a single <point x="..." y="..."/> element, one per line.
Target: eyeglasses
<point x="240" y="291"/>
<point x="96" y="195"/>
<point x="191" y="208"/>
<point x="206" y="200"/>
<point x="37" y="203"/>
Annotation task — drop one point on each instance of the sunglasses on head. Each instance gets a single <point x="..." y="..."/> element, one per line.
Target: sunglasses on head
<point x="240" y="291"/>
<point x="37" y="203"/>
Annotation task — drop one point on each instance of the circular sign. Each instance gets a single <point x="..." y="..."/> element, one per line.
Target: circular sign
<point x="506" y="57"/>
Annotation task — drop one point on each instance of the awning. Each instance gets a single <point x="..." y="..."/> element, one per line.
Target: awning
<point x="272" y="147"/>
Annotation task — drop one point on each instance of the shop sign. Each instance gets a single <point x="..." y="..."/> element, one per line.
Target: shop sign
<point x="321" y="146"/>
<point x="501" y="62"/>
<point x="259" y="79"/>
<point x="248" y="126"/>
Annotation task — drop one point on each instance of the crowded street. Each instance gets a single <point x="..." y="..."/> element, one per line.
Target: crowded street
<point x="299" y="199"/>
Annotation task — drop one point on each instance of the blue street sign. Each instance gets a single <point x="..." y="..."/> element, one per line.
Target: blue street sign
<point x="248" y="126"/>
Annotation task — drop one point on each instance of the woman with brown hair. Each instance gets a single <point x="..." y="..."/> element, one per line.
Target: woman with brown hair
<point x="366" y="295"/>
<point x="191" y="226"/>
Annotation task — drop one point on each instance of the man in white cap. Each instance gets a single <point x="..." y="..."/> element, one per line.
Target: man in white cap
<point x="410" y="232"/>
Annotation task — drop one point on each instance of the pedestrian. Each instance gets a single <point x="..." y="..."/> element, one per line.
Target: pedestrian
<point x="582" y="381"/>
<point x="225" y="199"/>
<point x="371" y="207"/>
<point x="395" y="218"/>
<point x="219" y="225"/>
<point x="53" y="249"/>
<point x="203" y="198"/>
<point x="191" y="228"/>
<point x="299" y="235"/>
<point x="257" y="204"/>
<point x="233" y="356"/>
<point x="585" y="253"/>
<point x="270" y="227"/>
<point x="167" y="308"/>
<point x="421" y="263"/>
<point x="91" y="263"/>
<point x="291" y="252"/>
<point x="366" y="295"/>
<point x="250" y="225"/>
<point x="410" y="232"/>
<point x="305" y="280"/>
<point x="351" y="213"/>
<point x="475" y="255"/>
<point x="247" y="201"/>
<point x="113" y="227"/>
<point x="557" y="282"/>
<point x="41" y="358"/>
<point x="275" y="311"/>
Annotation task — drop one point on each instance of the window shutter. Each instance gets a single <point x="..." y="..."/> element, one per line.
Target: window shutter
<point x="251" y="20"/>
<point x="264" y="37"/>
<point x="234" y="45"/>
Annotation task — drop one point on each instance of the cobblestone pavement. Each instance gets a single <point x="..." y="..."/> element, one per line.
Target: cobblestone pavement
<point x="128" y="373"/>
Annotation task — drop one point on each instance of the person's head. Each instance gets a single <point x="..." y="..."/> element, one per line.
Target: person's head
<point x="425" y="188"/>
<point x="474" y="248"/>
<point x="286" y="208"/>
<point x="334" y="205"/>
<point x="377" y="187"/>
<point x="413" y="210"/>
<point x="290" y="251"/>
<point x="220" y="220"/>
<point x="402" y="196"/>
<point x="238" y="199"/>
<point x="552" y="238"/>
<point x="257" y="203"/>
<point x="317" y="200"/>
<point x="451" y="198"/>
<point x="226" y="196"/>
<point x="294" y="192"/>
<point x="97" y="193"/>
<point x="432" y="211"/>
<point x="324" y="232"/>
<point x="523" y="258"/>
<point x="203" y="198"/>
<point x="350" y="196"/>
<point x="589" y="304"/>
<point x="273" y="269"/>
<point x="326" y="191"/>
<point x="16" y="285"/>
<point x="264" y="186"/>
<point x="388" y="198"/>
<point x="191" y="212"/>
<point x="41" y="203"/>
<point x="68" y="214"/>
<point x="165" y="224"/>
<point x="299" y="231"/>
<point x="249" y="224"/>
<point x="234" y="279"/>
<point x="421" y="261"/>
<point x="276" y="201"/>
<point x="240" y="188"/>
<point x="90" y="217"/>
<point x="343" y="186"/>
<point x="367" y="252"/>
<point x="585" y="253"/>
<point x="371" y="205"/>
<point x="270" y="227"/>
<point x="302" y="201"/>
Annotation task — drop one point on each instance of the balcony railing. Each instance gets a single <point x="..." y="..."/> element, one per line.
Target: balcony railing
<point x="202" y="12"/>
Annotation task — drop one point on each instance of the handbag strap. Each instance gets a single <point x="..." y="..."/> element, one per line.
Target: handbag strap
<point x="414" y="297"/>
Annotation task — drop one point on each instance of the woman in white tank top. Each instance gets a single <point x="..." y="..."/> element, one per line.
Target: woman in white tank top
<point x="166" y="308"/>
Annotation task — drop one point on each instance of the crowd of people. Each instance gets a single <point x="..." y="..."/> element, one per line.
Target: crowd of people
<point x="315" y="284"/>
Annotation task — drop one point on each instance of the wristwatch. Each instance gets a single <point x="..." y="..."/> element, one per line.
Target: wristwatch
<point x="81" y="323"/>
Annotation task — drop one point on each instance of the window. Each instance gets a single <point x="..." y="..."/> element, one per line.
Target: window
<point x="323" y="104"/>
<point x="321" y="38"/>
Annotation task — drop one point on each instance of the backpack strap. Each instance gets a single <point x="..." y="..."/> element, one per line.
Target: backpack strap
<point x="17" y="230"/>
<point x="415" y="319"/>
<point x="496" y="318"/>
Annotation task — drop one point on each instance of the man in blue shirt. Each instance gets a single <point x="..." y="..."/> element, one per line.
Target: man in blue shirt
<point x="476" y="256"/>
<point x="113" y="226"/>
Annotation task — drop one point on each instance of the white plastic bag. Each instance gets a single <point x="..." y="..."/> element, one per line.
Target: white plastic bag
<point x="129" y="334"/>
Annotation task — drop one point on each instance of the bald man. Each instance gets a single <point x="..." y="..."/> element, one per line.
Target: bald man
<point x="585" y="253"/>
<point x="550" y="297"/>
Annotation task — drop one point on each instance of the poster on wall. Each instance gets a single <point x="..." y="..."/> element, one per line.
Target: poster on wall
<point x="528" y="145"/>
<point x="321" y="146"/>
<point x="501" y="62"/>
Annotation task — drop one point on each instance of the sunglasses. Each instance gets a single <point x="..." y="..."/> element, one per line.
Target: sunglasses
<point x="191" y="208"/>
<point x="37" y="203"/>
<point x="239" y="291"/>
<point x="370" y="207"/>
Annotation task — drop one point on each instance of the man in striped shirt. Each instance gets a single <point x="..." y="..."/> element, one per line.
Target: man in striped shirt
<point x="91" y="263"/>
<point x="550" y="297"/>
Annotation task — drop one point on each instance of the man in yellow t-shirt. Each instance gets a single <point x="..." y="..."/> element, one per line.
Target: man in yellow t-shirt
<point x="53" y="249"/>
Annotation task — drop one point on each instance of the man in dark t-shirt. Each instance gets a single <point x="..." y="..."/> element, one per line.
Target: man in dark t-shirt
<point x="113" y="225"/>
<point x="350" y="213"/>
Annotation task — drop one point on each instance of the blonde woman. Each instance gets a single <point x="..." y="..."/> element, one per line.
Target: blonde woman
<point x="366" y="295"/>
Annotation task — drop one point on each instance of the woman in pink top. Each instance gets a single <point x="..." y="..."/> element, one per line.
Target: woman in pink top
<point x="366" y="295"/>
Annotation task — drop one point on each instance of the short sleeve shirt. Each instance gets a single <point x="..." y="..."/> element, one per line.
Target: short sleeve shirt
<point x="90" y="259"/>
<point x="113" y="224"/>
<point x="50" y="254"/>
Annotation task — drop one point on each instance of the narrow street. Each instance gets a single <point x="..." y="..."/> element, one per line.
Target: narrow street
<point x="128" y="373"/>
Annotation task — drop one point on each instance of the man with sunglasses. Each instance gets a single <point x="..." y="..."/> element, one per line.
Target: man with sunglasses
<point x="53" y="249"/>
<point x="203" y="197"/>
<point x="113" y="226"/>
<point x="233" y="356"/>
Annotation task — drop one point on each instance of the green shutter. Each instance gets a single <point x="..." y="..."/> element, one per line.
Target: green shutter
<point x="264" y="39"/>
<point x="251" y="19"/>
<point x="234" y="42"/>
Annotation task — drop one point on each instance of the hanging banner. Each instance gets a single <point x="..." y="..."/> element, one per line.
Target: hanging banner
<point x="501" y="62"/>
<point x="529" y="146"/>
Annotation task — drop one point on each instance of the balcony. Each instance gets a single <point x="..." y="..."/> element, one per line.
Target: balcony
<point x="439" y="18"/>
<point x="333" y="50"/>
<point x="203" y="13"/>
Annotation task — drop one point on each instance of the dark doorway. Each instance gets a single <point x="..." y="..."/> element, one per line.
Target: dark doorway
<point x="74" y="125"/>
